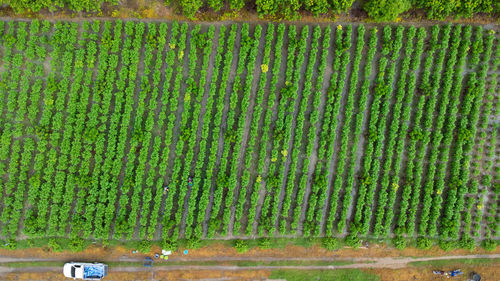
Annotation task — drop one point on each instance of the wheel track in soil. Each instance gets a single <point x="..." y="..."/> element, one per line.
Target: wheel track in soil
<point x="368" y="263"/>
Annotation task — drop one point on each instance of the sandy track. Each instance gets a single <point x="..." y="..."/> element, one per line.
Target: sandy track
<point x="392" y="263"/>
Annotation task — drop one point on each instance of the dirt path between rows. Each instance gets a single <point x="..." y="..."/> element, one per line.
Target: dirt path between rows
<point x="392" y="263"/>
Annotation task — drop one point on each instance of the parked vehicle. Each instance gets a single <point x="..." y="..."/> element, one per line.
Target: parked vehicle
<point x="85" y="271"/>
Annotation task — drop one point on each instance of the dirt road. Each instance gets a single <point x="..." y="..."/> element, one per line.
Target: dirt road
<point x="233" y="268"/>
<point x="392" y="263"/>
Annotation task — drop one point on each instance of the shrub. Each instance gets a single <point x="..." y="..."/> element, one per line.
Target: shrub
<point x="77" y="244"/>
<point x="10" y="244"/>
<point x="489" y="244"/>
<point x="352" y="240"/>
<point x="399" y="242"/>
<point x="169" y="245"/>
<point x="386" y="10"/>
<point x="331" y="243"/>
<point x="54" y="245"/>
<point x="193" y="243"/>
<point x="467" y="243"/>
<point x="144" y="246"/>
<point x="241" y="246"/>
<point x="265" y="243"/>
<point x="424" y="243"/>
<point x="447" y="245"/>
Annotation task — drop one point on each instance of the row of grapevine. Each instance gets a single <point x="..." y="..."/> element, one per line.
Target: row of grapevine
<point x="255" y="185"/>
<point x="381" y="90"/>
<point x="216" y="133"/>
<point x="342" y="52"/>
<point x="230" y="135"/>
<point x="297" y="142"/>
<point x="177" y="186"/>
<point x="346" y="126"/>
<point x="452" y="80"/>
<point x="237" y="135"/>
<point x="254" y="126"/>
<point x="204" y="199"/>
<point x="424" y="136"/>
<point x="291" y="98"/>
<point x="456" y="186"/>
<point x="358" y="122"/>
<point x="415" y="133"/>
<point x="313" y="134"/>
<point x="387" y="192"/>
<point x="470" y="140"/>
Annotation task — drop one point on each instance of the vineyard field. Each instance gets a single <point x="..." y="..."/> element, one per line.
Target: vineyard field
<point x="154" y="130"/>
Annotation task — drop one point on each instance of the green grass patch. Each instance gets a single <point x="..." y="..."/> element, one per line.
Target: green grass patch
<point x="312" y="275"/>
<point x="292" y="263"/>
<point x="33" y="264"/>
<point x="455" y="262"/>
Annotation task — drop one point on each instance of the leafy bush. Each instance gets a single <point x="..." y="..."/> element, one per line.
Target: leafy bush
<point x="386" y="10"/>
<point x="448" y="245"/>
<point x="352" y="240"/>
<point x="54" y="245"/>
<point x="10" y="244"/>
<point x="169" y="245"/>
<point x="331" y="243"/>
<point x="489" y="244"/>
<point x="467" y="243"/>
<point x="77" y="244"/>
<point x="265" y="243"/>
<point x="424" y="243"/>
<point x="144" y="246"/>
<point x="399" y="242"/>
<point x="241" y="246"/>
<point x="193" y="243"/>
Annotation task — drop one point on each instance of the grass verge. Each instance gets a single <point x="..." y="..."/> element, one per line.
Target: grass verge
<point x="337" y="274"/>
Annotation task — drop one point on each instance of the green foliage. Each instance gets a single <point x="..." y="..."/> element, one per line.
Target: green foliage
<point x="352" y="240"/>
<point x="386" y="10"/>
<point x="338" y="274"/>
<point x="10" y="244"/>
<point x="144" y="246"/>
<point x="467" y="243"/>
<point x="169" y="245"/>
<point x="54" y="245"/>
<point x="399" y="242"/>
<point x="489" y="244"/>
<point x="265" y="243"/>
<point x="448" y="245"/>
<point x="331" y="243"/>
<point x="77" y="244"/>
<point x="189" y="7"/>
<point x="440" y="9"/>
<point x="21" y="6"/>
<point x="424" y="243"/>
<point x="340" y="5"/>
<point x="241" y="246"/>
<point x="101" y="138"/>
<point x="193" y="243"/>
